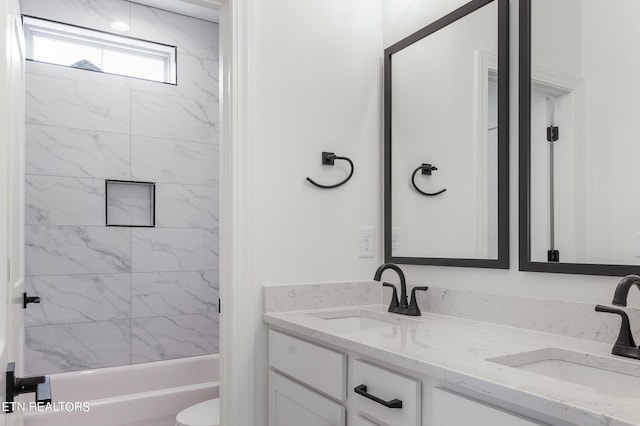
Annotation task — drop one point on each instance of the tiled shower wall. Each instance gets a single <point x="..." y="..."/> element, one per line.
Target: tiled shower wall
<point x="110" y="295"/>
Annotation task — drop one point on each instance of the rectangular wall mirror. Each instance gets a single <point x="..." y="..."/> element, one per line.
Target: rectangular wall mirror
<point x="579" y="109"/>
<point x="446" y="141"/>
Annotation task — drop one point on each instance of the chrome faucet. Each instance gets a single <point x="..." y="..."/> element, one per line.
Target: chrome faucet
<point x="625" y="345"/>
<point x="401" y="306"/>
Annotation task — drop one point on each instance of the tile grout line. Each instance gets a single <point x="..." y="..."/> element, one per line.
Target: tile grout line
<point x="121" y="85"/>
<point x="190" y="271"/>
<point x="204" y="185"/>
<point x="177" y="140"/>
<point x="200" y="314"/>
<point x="45" y="225"/>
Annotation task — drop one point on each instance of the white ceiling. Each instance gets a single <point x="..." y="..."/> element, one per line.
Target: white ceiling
<point x="203" y="9"/>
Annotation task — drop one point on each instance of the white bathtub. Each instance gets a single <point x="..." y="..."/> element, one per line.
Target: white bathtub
<point x="149" y="394"/>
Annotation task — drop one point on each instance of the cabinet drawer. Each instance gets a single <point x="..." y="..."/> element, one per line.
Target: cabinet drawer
<point x="386" y="386"/>
<point x="318" y="367"/>
<point x="453" y="409"/>
<point x="291" y="404"/>
<point x="359" y="421"/>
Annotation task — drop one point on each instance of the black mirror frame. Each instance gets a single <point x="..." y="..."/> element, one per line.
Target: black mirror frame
<point x="502" y="262"/>
<point x="525" y="263"/>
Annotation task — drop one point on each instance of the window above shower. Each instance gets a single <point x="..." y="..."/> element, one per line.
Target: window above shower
<point x="77" y="47"/>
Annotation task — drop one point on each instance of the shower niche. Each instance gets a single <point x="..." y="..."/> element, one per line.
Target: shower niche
<point x="130" y="203"/>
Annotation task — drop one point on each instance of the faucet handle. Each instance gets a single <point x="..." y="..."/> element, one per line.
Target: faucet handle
<point x="414" y="310"/>
<point x="625" y="338"/>
<point x="393" y="306"/>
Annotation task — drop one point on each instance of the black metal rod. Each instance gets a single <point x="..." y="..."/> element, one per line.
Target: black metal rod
<point x="551" y="113"/>
<point x="362" y="390"/>
<point x="328" y="159"/>
<point x="413" y="181"/>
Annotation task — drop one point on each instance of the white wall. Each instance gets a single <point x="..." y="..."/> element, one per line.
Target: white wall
<point x="611" y="65"/>
<point x="316" y="87"/>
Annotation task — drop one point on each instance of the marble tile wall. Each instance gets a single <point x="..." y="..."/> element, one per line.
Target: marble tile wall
<point x="113" y="295"/>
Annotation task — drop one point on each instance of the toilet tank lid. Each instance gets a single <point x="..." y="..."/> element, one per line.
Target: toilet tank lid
<point x="206" y="413"/>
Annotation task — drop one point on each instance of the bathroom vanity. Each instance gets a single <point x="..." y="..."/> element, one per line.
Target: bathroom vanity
<point x="362" y="366"/>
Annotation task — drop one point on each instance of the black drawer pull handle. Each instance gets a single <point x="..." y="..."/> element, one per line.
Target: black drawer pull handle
<point x="362" y="390"/>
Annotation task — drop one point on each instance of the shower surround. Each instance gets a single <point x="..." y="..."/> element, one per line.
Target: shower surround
<point x="114" y="295"/>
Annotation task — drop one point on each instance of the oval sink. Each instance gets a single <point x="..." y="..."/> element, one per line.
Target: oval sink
<point x="359" y="318"/>
<point x="613" y="376"/>
<point x="359" y="322"/>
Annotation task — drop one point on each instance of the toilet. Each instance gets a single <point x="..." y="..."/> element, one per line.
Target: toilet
<point x="206" y="413"/>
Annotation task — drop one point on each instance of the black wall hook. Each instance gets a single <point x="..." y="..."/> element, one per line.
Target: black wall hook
<point x="328" y="159"/>
<point x="426" y="170"/>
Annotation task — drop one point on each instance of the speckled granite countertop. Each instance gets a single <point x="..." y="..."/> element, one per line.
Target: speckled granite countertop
<point x="459" y="351"/>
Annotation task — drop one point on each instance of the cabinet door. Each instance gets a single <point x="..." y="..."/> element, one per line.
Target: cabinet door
<point x="359" y="421"/>
<point x="452" y="409"/>
<point x="291" y="404"/>
<point x="313" y="365"/>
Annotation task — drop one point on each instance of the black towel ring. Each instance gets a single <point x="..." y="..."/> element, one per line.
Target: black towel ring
<point x="426" y="170"/>
<point x="328" y="159"/>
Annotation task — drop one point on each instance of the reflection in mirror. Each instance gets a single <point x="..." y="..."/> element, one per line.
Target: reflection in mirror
<point x="581" y="178"/>
<point x="446" y="153"/>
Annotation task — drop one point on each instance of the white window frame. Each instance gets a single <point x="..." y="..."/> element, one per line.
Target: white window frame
<point x="56" y="30"/>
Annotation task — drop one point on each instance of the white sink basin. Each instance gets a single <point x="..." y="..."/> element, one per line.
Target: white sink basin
<point x="613" y="376"/>
<point x="358" y="318"/>
<point x="359" y="322"/>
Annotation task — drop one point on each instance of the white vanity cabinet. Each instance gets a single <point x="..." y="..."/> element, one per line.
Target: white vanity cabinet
<point x="306" y="381"/>
<point x="312" y="385"/>
<point x="452" y="409"/>
<point x="308" y="387"/>
<point x="291" y="404"/>
<point x="359" y="421"/>
<point x="316" y="366"/>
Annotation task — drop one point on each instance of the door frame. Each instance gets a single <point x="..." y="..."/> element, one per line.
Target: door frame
<point x="240" y="308"/>
<point x="12" y="165"/>
<point x="240" y="312"/>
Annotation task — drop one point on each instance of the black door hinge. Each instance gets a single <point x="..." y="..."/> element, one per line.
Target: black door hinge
<point x="218" y="305"/>
<point x="552" y="133"/>
<point x="553" y="256"/>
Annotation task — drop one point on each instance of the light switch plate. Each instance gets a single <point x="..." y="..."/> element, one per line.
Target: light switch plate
<point x="395" y="241"/>
<point x="366" y="241"/>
